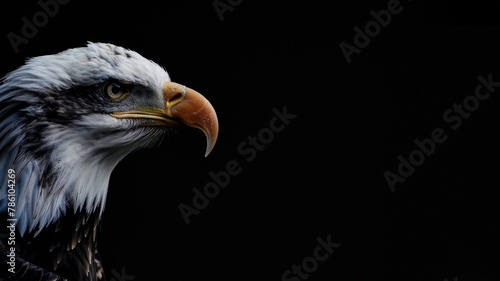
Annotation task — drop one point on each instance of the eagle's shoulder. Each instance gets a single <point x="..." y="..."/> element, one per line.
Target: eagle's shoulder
<point x="65" y="248"/>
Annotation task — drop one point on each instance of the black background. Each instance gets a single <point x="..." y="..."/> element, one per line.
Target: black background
<point x="322" y="175"/>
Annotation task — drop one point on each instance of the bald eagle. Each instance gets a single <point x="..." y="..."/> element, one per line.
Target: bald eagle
<point x="66" y="120"/>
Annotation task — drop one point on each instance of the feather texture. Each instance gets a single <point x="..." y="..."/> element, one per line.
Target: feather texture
<point x="58" y="136"/>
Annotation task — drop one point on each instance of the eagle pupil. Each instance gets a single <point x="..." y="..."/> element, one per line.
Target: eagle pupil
<point x="116" y="89"/>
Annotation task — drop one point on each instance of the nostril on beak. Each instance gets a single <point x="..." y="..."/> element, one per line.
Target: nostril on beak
<point x="176" y="97"/>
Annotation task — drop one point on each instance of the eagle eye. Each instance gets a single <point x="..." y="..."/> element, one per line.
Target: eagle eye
<point x="116" y="90"/>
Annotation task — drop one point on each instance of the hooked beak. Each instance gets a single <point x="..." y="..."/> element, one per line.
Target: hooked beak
<point x="182" y="106"/>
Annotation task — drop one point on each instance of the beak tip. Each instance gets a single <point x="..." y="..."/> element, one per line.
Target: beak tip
<point x="207" y="152"/>
<point x="210" y="145"/>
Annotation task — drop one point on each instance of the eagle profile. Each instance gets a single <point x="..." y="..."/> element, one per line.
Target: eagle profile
<point x="66" y="120"/>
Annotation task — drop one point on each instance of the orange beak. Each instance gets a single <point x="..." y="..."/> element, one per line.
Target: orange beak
<point x="182" y="106"/>
<point x="192" y="109"/>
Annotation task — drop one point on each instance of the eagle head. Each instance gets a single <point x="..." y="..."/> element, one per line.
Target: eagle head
<point x="67" y="119"/>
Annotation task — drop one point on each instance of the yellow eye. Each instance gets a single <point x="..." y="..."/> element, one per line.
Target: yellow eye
<point x="115" y="90"/>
